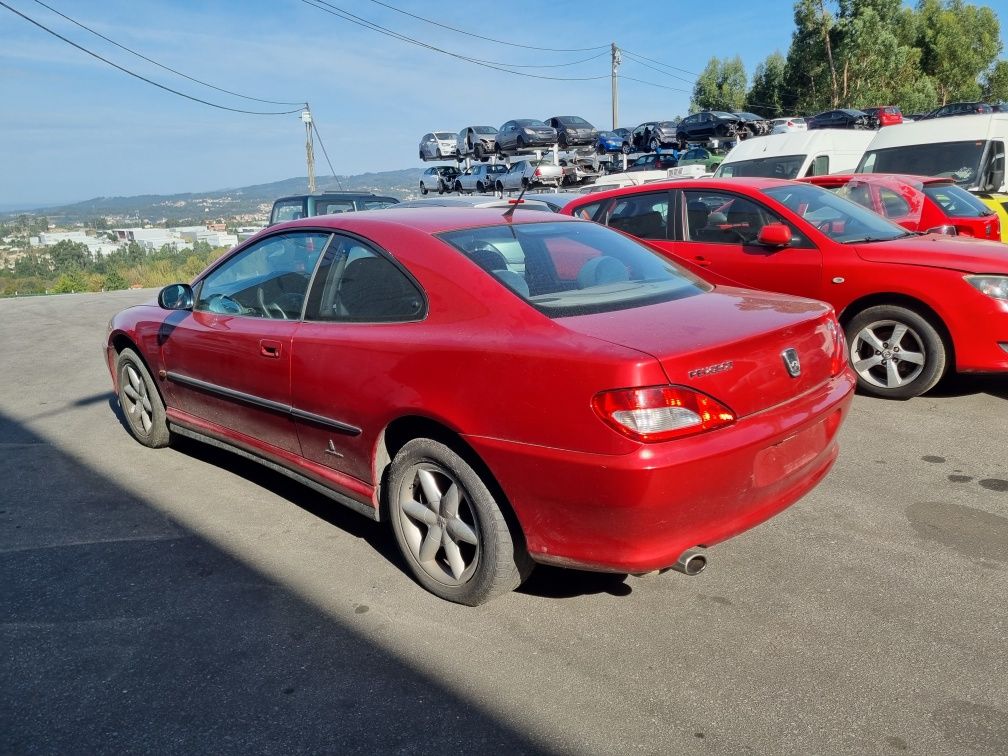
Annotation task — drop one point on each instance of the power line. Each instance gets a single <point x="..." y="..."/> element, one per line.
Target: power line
<point x="138" y="76"/>
<point x="322" y="145"/>
<point x="333" y="10"/>
<point x="651" y="83"/>
<point x="640" y="62"/>
<point x="659" y="63"/>
<point x="489" y="39"/>
<point x="155" y="63"/>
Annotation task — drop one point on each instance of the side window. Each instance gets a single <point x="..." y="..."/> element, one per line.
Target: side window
<point x="893" y="204"/>
<point x="642" y="215"/>
<point x="357" y="284"/>
<point x="289" y="210"/>
<point x="720" y="218"/>
<point x="267" y="280"/>
<point x="589" y="211"/>
<point x="819" y="166"/>
<point x="333" y="207"/>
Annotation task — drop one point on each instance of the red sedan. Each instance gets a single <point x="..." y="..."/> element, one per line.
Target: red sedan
<point x="918" y="203"/>
<point x="912" y="305"/>
<point x="502" y="390"/>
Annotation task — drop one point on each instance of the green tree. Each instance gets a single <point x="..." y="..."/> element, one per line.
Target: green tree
<point x="766" y="96"/>
<point x="958" y="43"/>
<point x="721" y="86"/>
<point x="70" y="282"/>
<point x="114" y="280"/>
<point x="68" y="256"/>
<point x="995" y="82"/>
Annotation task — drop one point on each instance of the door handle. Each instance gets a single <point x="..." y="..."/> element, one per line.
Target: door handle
<point x="268" y="348"/>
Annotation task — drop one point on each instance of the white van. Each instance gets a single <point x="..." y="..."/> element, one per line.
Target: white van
<point x="969" y="149"/>
<point x="801" y="153"/>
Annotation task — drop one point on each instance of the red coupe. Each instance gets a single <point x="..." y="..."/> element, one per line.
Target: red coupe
<point x="918" y="203"/>
<point x="503" y="390"/>
<point x="912" y="305"/>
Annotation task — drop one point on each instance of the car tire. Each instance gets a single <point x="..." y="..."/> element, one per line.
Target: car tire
<point x="478" y="152"/>
<point x="140" y="401"/>
<point x="449" y="527"/>
<point x="500" y="190"/>
<point x="878" y="359"/>
<point x="421" y="155"/>
<point x="681" y="139"/>
<point x="654" y="144"/>
<point x="520" y="143"/>
<point x="562" y="142"/>
<point x="423" y="189"/>
<point x="458" y="187"/>
<point x="625" y="149"/>
<point x="479" y="187"/>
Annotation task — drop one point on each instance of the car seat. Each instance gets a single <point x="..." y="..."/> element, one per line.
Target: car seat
<point x="696" y="216"/>
<point x="601" y="270"/>
<point x="373" y="289"/>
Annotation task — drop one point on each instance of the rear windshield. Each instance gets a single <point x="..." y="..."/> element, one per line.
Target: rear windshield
<point x="574" y="268"/>
<point x="959" y="161"/>
<point x="956" y="201"/>
<point x="778" y="166"/>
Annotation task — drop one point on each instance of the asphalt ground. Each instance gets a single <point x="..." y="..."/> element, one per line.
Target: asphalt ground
<point x="185" y="600"/>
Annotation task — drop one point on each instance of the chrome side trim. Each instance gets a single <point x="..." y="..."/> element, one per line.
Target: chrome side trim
<point x="364" y="509"/>
<point x="238" y="396"/>
<point x="257" y="401"/>
<point x="328" y="422"/>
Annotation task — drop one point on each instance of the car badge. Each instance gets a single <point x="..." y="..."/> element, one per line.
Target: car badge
<point x="791" y="362"/>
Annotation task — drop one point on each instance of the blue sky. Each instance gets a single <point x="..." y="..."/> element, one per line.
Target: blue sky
<point x="75" y="128"/>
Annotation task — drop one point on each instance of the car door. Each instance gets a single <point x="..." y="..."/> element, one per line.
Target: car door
<point x="716" y="237"/>
<point x="506" y="137"/>
<point x="227" y="362"/>
<point x="347" y="358"/>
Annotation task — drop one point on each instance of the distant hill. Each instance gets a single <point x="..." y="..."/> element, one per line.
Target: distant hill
<point x="221" y="202"/>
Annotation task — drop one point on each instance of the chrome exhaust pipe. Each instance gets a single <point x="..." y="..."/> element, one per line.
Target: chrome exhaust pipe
<point x="691" y="562"/>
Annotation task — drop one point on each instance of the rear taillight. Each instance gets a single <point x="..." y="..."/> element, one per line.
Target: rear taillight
<point x="838" y="360"/>
<point x="537" y="172"/>
<point x="660" y="413"/>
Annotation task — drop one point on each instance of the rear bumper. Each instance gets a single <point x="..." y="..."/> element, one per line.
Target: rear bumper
<point x="639" y="512"/>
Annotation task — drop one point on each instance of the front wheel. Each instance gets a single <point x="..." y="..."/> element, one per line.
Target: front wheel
<point x="478" y="151"/>
<point x="625" y="149"/>
<point x="479" y="187"/>
<point x="423" y="189"/>
<point x="896" y="352"/>
<point x="654" y="145"/>
<point x="449" y="527"/>
<point x="140" y="401"/>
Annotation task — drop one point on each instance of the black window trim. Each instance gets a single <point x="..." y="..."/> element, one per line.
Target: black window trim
<point x="796" y="233"/>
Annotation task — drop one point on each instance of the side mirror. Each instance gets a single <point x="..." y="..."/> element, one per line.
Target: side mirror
<point x="947" y="229"/>
<point x="774" y="235"/>
<point x="176" y="297"/>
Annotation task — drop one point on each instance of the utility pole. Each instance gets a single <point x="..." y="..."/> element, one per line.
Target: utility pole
<point x="616" y="60"/>
<point x="309" y="147"/>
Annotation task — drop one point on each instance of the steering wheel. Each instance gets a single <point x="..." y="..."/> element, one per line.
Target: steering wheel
<point x="269" y="308"/>
<point x="222" y="304"/>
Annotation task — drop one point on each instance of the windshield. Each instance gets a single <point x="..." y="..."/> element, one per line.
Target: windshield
<point x="485" y="130"/>
<point x="573" y="121"/>
<point x="574" y="268"/>
<point x="838" y="218"/>
<point x="444" y="135"/>
<point x="956" y="201"/>
<point x="778" y="166"/>
<point x="959" y="161"/>
<point x="531" y="123"/>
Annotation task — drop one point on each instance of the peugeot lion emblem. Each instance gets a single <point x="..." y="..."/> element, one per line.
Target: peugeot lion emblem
<point x="791" y="361"/>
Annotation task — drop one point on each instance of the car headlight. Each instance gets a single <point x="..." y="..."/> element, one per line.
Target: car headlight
<point x="992" y="286"/>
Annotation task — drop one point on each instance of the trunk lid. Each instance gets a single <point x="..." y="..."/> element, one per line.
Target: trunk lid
<point x="728" y="343"/>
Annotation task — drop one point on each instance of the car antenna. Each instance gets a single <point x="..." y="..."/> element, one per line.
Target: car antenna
<point x="517" y="201"/>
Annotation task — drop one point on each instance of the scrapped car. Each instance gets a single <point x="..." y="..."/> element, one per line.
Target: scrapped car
<point x="753" y="125"/>
<point x="501" y="389"/>
<point x="525" y="203"/>
<point x="913" y="307"/>
<point x="438" y="145"/>
<point x="842" y="118"/>
<point x="573" y="131"/>
<point x="958" y="109"/>
<point x="924" y="204"/>
<point x="578" y="170"/>
<point x="478" y="141"/>
<point x="438" y="178"/>
<point x="480" y="178"/>
<point x="528" y="173"/>
<point x="652" y="163"/>
<point x="653" y="136"/>
<point x="701" y="156"/>
<point x="524" y="134"/>
<point x="710" y="124"/>
<point x="787" y="125"/>
<point x="618" y="140"/>
<point x="326" y="203"/>
<point x="886" y="115"/>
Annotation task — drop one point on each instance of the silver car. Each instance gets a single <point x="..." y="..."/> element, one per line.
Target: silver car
<point x="527" y="203"/>
<point x="788" y="125"/>
<point x="480" y="178"/>
<point x="478" y="141"/>
<point x="438" y="145"/>
<point x="528" y="173"/>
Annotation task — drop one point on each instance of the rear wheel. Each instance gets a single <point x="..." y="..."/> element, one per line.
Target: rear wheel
<point x="625" y="149"/>
<point x="140" y="401"/>
<point x="449" y="527"/>
<point x="654" y="145"/>
<point x="478" y="151"/>
<point x="423" y="189"/>
<point x="896" y="352"/>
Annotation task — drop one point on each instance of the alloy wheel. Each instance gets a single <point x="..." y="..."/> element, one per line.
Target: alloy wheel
<point x="888" y="354"/>
<point x="136" y="400"/>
